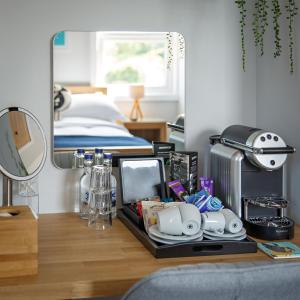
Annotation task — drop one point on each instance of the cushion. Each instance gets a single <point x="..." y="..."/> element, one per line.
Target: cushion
<point x="244" y="281"/>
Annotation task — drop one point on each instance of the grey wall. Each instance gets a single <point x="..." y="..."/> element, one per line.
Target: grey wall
<point x="218" y="93"/>
<point x="72" y="63"/>
<point x="278" y="104"/>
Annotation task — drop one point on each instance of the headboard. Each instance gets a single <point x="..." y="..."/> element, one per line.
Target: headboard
<point x="74" y="89"/>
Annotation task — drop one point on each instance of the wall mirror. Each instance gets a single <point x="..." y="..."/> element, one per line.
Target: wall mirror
<point x="116" y="91"/>
<point x="23" y="148"/>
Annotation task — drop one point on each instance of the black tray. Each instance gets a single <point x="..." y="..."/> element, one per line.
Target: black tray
<point x="202" y="248"/>
<point x="133" y="217"/>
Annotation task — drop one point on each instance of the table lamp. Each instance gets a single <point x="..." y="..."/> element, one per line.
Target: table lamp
<point x="136" y="93"/>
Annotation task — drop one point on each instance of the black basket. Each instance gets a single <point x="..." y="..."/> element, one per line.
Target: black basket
<point x="201" y="248"/>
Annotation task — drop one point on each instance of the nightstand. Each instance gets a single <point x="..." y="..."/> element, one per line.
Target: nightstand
<point x="149" y="129"/>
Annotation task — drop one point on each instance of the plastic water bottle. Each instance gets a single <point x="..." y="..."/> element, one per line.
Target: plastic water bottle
<point x="84" y="186"/>
<point x="78" y="159"/>
<point x="98" y="157"/>
<point x="107" y="161"/>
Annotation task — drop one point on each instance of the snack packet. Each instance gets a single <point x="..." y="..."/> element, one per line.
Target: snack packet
<point x="207" y="184"/>
<point x="179" y="190"/>
<point x="205" y="202"/>
<point x="209" y="204"/>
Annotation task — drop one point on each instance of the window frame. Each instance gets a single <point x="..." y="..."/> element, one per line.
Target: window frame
<point x="169" y="92"/>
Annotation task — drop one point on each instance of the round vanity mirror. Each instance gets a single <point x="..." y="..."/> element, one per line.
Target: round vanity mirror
<point x="23" y="144"/>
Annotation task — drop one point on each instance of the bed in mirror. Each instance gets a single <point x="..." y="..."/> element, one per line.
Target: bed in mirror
<point x="117" y="91"/>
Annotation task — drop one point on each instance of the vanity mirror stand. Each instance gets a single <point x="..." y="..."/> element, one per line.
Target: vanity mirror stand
<point x="23" y="149"/>
<point x="6" y="191"/>
<point x="22" y="156"/>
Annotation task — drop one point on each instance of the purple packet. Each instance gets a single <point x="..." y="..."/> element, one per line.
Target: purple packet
<point x="207" y="184"/>
<point x="178" y="189"/>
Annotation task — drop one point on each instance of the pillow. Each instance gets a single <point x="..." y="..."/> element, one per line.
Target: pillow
<point x="97" y="106"/>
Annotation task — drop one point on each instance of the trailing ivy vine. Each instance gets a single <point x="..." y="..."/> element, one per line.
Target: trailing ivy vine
<point x="260" y="25"/>
<point x="169" y="37"/>
<point x="292" y="11"/>
<point x="181" y="45"/>
<point x="276" y="15"/>
<point x="256" y="23"/>
<point x="242" y="7"/>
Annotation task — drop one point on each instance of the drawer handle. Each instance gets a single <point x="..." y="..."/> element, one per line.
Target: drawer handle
<point x="208" y="248"/>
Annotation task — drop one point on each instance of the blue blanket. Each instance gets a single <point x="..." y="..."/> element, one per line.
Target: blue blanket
<point x="97" y="141"/>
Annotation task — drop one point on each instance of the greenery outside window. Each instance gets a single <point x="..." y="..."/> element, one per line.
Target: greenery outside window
<point x="126" y="58"/>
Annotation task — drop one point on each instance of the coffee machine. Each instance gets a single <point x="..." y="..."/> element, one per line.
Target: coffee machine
<point x="248" y="168"/>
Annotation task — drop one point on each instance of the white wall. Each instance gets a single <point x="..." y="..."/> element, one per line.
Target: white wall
<point x="165" y="109"/>
<point x="72" y="62"/>
<point x="217" y="92"/>
<point x="278" y="104"/>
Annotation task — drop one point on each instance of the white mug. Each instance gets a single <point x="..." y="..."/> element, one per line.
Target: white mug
<point x="213" y="221"/>
<point x="233" y="224"/>
<point x="191" y="218"/>
<point x="169" y="221"/>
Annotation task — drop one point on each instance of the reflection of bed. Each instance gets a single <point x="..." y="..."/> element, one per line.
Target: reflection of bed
<point x="83" y="132"/>
<point x="93" y="121"/>
<point x="94" y="141"/>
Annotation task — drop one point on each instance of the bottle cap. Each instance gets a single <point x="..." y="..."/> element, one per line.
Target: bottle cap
<point x="80" y="151"/>
<point x="107" y="155"/>
<point x="88" y="156"/>
<point x="98" y="150"/>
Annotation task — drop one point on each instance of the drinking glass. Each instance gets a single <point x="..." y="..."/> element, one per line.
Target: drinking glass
<point x="28" y="194"/>
<point x="29" y="188"/>
<point x="100" y="212"/>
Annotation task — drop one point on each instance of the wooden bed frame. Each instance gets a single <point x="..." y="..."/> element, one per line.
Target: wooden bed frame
<point x="78" y="89"/>
<point x="74" y="89"/>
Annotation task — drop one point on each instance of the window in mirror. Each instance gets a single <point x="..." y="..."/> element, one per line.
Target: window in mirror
<point x="135" y="58"/>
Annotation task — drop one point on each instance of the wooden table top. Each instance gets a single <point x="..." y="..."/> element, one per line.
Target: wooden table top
<point x="76" y="261"/>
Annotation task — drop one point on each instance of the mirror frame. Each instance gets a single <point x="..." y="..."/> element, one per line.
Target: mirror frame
<point x="117" y="151"/>
<point x="4" y="171"/>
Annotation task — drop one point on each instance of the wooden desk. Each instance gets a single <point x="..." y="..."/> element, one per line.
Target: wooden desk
<point x="76" y="261"/>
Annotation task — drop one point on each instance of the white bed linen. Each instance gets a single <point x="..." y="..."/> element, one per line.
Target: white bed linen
<point x="88" y="127"/>
<point x="94" y="105"/>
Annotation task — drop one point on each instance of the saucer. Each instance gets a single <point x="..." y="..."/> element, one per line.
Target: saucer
<point x="154" y="231"/>
<point x="225" y="234"/>
<point x="214" y="238"/>
<point x="169" y="242"/>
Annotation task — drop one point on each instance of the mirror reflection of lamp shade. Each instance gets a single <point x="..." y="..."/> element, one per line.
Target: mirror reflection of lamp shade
<point x="137" y="91"/>
<point x="22" y="150"/>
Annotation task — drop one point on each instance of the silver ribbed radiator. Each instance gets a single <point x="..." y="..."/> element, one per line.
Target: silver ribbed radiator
<point x="225" y="170"/>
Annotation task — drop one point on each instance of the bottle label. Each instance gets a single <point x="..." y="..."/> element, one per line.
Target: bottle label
<point x="85" y="196"/>
<point x="113" y="197"/>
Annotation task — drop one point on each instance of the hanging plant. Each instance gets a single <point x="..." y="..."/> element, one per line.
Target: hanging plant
<point x="276" y="15"/>
<point x="169" y="37"/>
<point x="260" y="24"/>
<point x="242" y="7"/>
<point x="256" y="23"/>
<point x="292" y="11"/>
<point x="262" y="15"/>
<point x="180" y="47"/>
